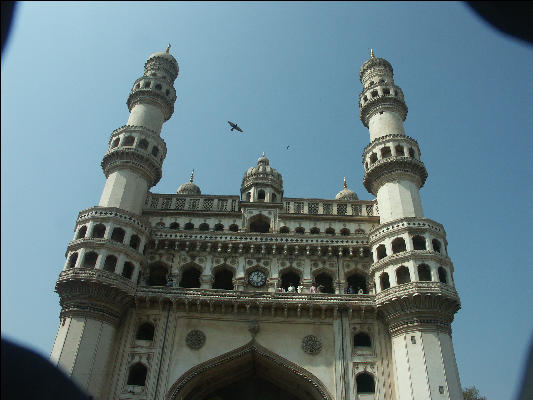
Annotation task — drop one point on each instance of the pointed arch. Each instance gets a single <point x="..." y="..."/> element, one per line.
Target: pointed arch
<point x="243" y="361"/>
<point x="190" y="275"/>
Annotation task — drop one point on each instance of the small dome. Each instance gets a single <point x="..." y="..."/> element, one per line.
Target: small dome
<point x="346" y="194"/>
<point x="262" y="173"/>
<point x="374" y="62"/>
<point x="189" y="187"/>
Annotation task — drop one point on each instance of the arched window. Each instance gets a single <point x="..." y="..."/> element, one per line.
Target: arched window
<point x="314" y="231"/>
<point x="384" y="281"/>
<point x="356" y="282"/>
<point x="399" y="151"/>
<point x="155" y="151"/>
<point x="398" y="245"/>
<point x="223" y="279"/>
<point x="300" y="230"/>
<point x="261" y="195"/>
<point x="411" y="152"/>
<point x="442" y="275"/>
<point x="330" y="231"/>
<point x="98" y="231"/>
<point x="89" y="261"/>
<point x="127" y="271"/>
<point x="219" y="227"/>
<point x="362" y="340"/>
<point x="283" y="229"/>
<point x="135" y="241"/>
<point x="143" y="144"/>
<point x="424" y="273"/>
<point x="115" y="143"/>
<point x="324" y="283"/>
<point x="289" y="278"/>
<point x="174" y="225"/>
<point x="234" y="228"/>
<point x="203" y="227"/>
<point x="402" y="275"/>
<point x="145" y="332"/>
<point x="419" y="242"/>
<point x="345" y="232"/>
<point x="436" y="245"/>
<point x="259" y="223"/>
<point x="373" y="158"/>
<point x="190" y="278"/>
<point x="137" y="375"/>
<point x="365" y="383"/>
<point x="381" y="251"/>
<point x="128" y="141"/>
<point x="118" y="235"/>
<point x="386" y="152"/>
<point x="110" y="263"/>
<point x="72" y="260"/>
<point x="82" y="232"/>
<point x="158" y="275"/>
<point x="189" y="226"/>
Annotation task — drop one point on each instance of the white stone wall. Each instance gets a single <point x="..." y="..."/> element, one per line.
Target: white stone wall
<point x="146" y="115"/>
<point x="385" y="124"/>
<point x="124" y="189"/>
<point x="399" y="199"/>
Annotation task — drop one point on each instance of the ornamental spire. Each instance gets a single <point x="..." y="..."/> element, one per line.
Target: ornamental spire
<point x="345" y="186"/>
<point x="372" y="53"/>
<point x="168" y="48"/>
<point x="192" y="177"/>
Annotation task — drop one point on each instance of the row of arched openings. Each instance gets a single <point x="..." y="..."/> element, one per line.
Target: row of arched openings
<point x="314" y="231"/>
<point x="223" y="279"/>
<point x="399" y="246"/>
<point x="386" y="152"/>
<point x="117" y="235"/>
<point x="129" y="141"/>
<point x="189" y="226"/>
<point x="403" y="275"/>
<point x="110" y="264"/>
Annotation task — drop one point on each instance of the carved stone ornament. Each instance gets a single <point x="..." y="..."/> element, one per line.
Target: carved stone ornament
<point x="311" y="344"/>
<point x="195" y="339"/>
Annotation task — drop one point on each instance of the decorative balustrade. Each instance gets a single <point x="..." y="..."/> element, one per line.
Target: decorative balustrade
<point x="417" y="288"/>
<point x="360" y="208"/>
<point x="203" y="203"/>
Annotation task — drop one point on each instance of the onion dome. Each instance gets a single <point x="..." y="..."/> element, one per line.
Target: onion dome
<point x="263" y="174"/>
<point x="346" y="194"/>
<point x="374" y="62"/>
<point x="157" y="61"/>
<point x="189" y="187"/>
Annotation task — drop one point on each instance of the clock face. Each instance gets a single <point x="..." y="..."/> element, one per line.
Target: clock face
<point x="257" y="278"/>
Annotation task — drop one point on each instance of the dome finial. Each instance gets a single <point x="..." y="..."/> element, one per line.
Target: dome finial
<point x="168" y="49"/>
<point x="263" y="154"/>
<point x="372" y="53"/>
<point x="345" y="186"/>
<point x="192" y="176"/>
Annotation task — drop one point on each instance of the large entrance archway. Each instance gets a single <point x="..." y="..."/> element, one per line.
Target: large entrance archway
<point x="248" y="373"/>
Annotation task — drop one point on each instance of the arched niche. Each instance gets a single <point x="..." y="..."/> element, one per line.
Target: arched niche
<point x="259" y="223"/>
<point x="239" y="370"/>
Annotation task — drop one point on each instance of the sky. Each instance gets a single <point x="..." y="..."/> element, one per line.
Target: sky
<point x="288" y="74"/>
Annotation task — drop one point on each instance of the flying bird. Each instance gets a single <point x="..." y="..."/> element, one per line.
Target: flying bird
<point x="288" y="147"/>
<point x="234" y="126"/>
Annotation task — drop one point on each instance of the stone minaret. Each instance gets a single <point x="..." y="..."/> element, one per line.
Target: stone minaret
<point x="105" y="256"/>
<point x="411" y="272"/>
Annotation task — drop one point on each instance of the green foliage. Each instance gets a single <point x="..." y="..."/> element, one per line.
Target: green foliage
<point x="472" y="393"/>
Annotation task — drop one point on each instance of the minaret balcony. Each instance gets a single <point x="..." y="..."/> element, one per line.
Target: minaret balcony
<point x="103" y="214"/>
<point x="155" y="91"/>
<point x="147" y="165"/>
<point x="394" y="167"/>
<point x="382" y="100"/>
<point x="94" y="293"/>
<point x="111" y="245"/>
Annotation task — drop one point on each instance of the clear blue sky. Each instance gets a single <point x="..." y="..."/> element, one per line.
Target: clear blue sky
<point x="288" y="73"/>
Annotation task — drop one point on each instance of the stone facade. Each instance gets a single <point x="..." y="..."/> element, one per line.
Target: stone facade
<point x="198" y="296"/>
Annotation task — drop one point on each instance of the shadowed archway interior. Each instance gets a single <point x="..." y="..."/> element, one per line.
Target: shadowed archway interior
<point x="248" y="373"/>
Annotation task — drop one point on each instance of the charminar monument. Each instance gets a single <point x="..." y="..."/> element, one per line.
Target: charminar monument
<point x="192" y="296"/>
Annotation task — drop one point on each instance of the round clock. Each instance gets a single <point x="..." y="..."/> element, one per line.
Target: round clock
<point x="257" y="278"/>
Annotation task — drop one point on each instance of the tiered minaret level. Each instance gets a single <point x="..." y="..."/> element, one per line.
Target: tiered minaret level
<point x="411" y="273"/>
<point x="106" y="254"/>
